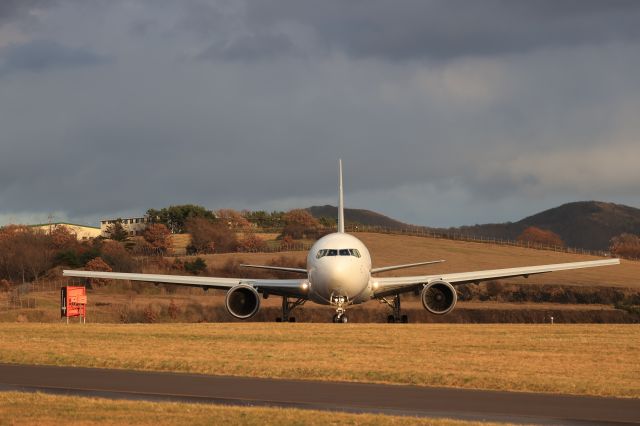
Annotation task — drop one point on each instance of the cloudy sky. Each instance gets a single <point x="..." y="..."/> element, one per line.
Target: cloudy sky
<point x="445" y="112"/>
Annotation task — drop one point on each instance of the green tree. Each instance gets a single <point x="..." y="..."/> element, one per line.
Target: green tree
<point x="176" y="217"/>
<point x="264" y="219"/>
<point x="116" y="231"/>
<point x="329" y="222"/>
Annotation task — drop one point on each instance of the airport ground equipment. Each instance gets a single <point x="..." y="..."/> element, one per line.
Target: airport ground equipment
<point x="73" y="303"/>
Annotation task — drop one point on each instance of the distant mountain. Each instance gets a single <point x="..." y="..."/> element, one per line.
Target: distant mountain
<point x="584" y="224"/>
<point x="364" y="217"/>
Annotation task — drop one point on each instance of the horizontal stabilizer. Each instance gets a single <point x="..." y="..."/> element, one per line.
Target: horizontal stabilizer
<point x="277" y="268"/>
<point x="408" y="265"/>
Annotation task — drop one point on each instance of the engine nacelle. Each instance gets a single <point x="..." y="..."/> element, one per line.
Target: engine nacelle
<point x="242" y="301"/>
<point x="439" y="297"/>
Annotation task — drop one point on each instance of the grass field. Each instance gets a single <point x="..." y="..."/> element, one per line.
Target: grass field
<point x="36" y="408"/>
<point x="569" y="359"/>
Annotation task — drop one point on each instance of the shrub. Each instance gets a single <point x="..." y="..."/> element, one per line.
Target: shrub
<point x="207" y="236"/>
<point x="300" y="223"/>
<point x="494" y="288"/>
<point x="539" y="236"/>
<point x="195" y="267"/>
<point x="150" y="314"/>
<point x="252" y="243"/>
<point x="173" y="310"/>
<point x="5" y="285"/>
<point x="118" y="258"/>
<point x="99" y="265"/>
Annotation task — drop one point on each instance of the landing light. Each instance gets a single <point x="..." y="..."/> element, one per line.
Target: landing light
<point x="305" y="286"/>
<point x="375" y="285"/>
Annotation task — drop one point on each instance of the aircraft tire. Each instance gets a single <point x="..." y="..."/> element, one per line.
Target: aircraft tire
<point x="344" y="319"/>
<point x="391" y="319"/>
<point x="292" y="319"/>
<point x="404" y="319"/>
<point x="278" y="319"/>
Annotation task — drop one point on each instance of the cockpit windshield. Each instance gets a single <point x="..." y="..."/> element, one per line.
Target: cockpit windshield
<point x="335" y="252"/>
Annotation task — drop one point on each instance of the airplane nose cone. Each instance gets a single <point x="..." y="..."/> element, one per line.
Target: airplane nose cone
<point x="338" y="277"/>
<point x="343" y="280"/>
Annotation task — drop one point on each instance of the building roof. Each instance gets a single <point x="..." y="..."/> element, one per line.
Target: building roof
<point x="62" y="223"/>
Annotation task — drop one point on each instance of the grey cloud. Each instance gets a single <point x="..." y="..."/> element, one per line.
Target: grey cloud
<point x="43" y="55"/>
<point x="266" y="46"/>
<point x="442" y="29"/>
<point x="207" y="19"/>
<point x="15" y="9"/>
<point x="483" y="138"/>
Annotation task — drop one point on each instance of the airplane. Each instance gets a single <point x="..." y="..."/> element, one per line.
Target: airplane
<point x="339" y="273"/>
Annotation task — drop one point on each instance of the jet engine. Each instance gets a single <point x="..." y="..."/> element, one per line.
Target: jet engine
<point x="242" y="301"/>
<point x="439" y="297"/>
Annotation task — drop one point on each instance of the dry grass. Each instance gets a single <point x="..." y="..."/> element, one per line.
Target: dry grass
<point x="179" y="243"/>
<point x="35" y="408"/>
<point x="194" y="305"/>
<point x="570" y="359"/>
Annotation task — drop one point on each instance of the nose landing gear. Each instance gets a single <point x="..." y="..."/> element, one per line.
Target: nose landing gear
<point x="340" y="316"/>
<point x="337" y="318"/>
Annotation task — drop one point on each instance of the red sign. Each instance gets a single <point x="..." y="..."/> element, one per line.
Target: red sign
<point x="73" y="302"/>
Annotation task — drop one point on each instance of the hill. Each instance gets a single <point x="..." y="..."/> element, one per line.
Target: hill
<point x="584" y="224"/>
<point x="360" y="216"/>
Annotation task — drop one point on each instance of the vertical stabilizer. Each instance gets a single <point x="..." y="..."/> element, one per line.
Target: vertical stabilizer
<point x="340" y="202"/>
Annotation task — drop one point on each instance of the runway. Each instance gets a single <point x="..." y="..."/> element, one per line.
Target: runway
<point x="337" y="396"/>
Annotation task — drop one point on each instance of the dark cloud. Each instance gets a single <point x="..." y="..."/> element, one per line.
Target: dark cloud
<point x="16" y="9"/>
<point x="418" y="29"/>
<point x="266" y="46"/>
<point x="287" y="87"/>
<point x="44" y="55"/>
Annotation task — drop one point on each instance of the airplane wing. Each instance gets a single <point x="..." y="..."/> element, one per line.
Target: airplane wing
<point x="277" y="268"/>
<point x="395" y="285"/>
<point x="294" y="287"/>
<point x="408" y="265"/>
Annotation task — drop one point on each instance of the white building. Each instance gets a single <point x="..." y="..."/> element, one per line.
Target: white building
<point x="82" y="232"/>
<point x="133" y="225"/>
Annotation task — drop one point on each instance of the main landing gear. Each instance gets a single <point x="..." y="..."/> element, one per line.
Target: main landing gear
<point x="396" y="315"/>
<point x="287" y="307"/>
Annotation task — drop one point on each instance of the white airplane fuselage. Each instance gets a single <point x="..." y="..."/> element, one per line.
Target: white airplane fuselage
<point x="339" y="265"/>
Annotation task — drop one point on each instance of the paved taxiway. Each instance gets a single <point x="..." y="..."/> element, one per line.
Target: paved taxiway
<point x="342" y="396"/>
